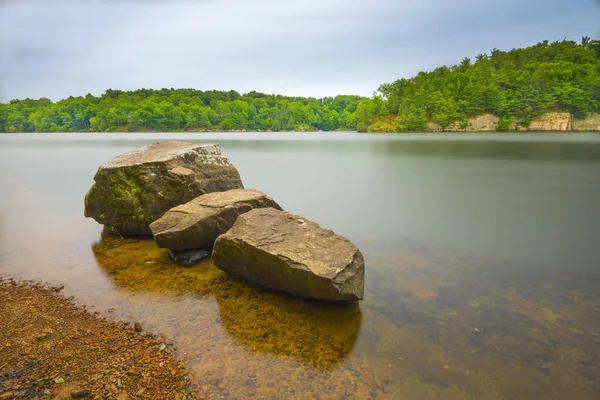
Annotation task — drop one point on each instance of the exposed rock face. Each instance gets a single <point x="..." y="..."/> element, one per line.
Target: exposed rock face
<point x="291" y="254"/>
<point x="590" y="123"/>
<point x="551" y="122"/>
<point x="478" y="123"/>
<point x="135" y="189"/>
<point x="483" y="123"/>
<point x="199" y="222"/>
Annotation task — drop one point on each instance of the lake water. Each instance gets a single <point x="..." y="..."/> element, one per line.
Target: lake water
<point x="482" y="263"/>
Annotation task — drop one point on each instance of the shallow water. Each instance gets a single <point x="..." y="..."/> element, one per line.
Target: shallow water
<point x="483" y="279"/>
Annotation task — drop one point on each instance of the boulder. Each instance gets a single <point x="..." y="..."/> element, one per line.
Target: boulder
<point x="197" y="223"/>
<point x="135" y="189"/>
<point x="288" y="253"/>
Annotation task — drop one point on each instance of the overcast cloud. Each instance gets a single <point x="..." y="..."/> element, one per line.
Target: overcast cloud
<point x="311" y="48"/>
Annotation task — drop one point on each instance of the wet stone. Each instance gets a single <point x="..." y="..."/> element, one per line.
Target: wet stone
<point x="80" y="394"/>
<point x="188" y="258"/>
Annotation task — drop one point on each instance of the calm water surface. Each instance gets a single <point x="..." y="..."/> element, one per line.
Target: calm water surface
<point x="482" y="254"/>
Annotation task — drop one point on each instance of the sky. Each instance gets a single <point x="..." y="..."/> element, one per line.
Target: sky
<point x="59" y="48"/>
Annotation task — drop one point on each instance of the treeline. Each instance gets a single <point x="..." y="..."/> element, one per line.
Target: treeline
<point x="518" y="84"/>
<point x="521" y="83"/>
<point x="179" y="109"/>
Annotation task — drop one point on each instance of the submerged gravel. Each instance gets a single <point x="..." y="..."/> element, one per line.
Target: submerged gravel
<point x="50" y="348"/>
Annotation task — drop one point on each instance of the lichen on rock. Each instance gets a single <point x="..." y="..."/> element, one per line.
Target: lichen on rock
<point x="288" y="253"/>
<point x="197" y="223"/>
<point x="136" y="188"/>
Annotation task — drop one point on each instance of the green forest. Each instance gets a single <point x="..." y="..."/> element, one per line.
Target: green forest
<point x="520" y="83"/>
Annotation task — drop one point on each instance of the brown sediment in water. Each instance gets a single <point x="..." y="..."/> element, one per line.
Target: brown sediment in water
<point x="247" y="341"/>
<point x="435" y="324"/>
<point x="50" y="347"/>
<point x="317" y="332"/>
<point x="502" y="331"/>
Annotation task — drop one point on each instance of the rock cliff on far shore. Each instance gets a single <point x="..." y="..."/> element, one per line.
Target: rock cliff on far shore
<point x="590" y="123"/>
<point x="548" y="122"/>
<point x="551" y="122"/>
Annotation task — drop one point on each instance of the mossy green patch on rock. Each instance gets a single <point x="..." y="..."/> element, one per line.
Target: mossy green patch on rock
<point x="135" y="189"/>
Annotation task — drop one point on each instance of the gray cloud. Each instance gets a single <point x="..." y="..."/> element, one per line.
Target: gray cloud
<point x="314" y="47"/>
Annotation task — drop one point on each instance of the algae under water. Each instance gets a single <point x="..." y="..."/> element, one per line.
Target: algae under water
<point x="434" y="326"/>
<point x="455" y="308"/>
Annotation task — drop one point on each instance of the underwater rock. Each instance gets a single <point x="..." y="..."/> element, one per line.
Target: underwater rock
<point x="136" y="188"/>
<point x="198" y="223"/>
<point x="80" y="394"/>
<point x="189" y="257"/>
<point x="291" y="254"/>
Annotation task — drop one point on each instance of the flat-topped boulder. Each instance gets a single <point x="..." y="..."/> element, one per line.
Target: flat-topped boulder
<point x="136" y="188"/>
<point x="197" y="223"/>
<point x="286" y="252"/>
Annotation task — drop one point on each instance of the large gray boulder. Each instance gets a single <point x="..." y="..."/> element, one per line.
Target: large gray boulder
<point x="136" y="188"/>
<point x="197" y="223"/>
<point x="291" y="254"/>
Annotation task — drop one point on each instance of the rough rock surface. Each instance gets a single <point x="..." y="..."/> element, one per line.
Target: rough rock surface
<point x="590" y="123"/>
<point x="477" y="123"/>
<point x="551" y="122"/>
<point x="483" y="123"/>
<point x="198" y="223"/>
<point x="136" y="188"/>
<point x="291" y="254"/>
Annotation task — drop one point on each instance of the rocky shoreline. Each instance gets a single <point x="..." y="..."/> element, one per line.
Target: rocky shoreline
<point x="54" y="349"/>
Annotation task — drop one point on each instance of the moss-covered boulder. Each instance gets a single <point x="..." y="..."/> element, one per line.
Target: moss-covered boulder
<point x="136" y="188"/>
<point x="197" y="223"/>
<point x="285" y="252"/>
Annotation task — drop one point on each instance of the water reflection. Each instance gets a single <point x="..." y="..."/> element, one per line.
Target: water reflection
<point x="458" y="321"/>
<point x="319" y="333"/>
<point x="437" y="322"/>
<point x="512" y="148"/>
